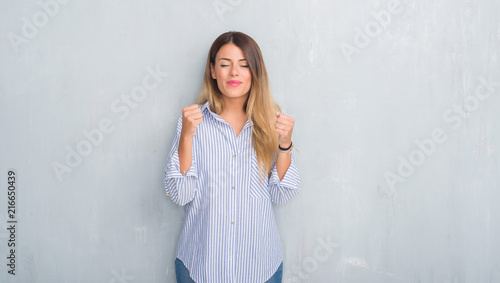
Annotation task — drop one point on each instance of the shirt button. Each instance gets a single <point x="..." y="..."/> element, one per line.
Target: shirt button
<point x="232" y="222"/>
<point x="233" y="187"/>
<point x="234" y="155"/>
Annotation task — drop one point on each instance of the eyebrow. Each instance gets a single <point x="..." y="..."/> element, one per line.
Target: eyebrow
<point x="230" y="59"/>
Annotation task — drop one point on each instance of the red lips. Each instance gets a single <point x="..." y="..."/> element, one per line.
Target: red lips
<point x="233" y="83"/>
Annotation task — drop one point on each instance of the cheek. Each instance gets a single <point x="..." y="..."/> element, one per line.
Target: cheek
<point x="220" y="77"/>
<point x="220" y="83"/>
<point x="248" y="75"/>
<point x="217" y="72"/>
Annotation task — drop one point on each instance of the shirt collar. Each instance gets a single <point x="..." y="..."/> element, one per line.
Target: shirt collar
<point x="206" y="106"/>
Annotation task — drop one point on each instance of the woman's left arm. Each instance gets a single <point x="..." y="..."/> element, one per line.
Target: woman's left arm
<point x="282" y="163"/>
<point x="284" y="128"/>
<point x="284" y="182"/>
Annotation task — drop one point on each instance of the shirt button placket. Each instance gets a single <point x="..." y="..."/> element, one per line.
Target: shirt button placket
<point x="233" y="174"/>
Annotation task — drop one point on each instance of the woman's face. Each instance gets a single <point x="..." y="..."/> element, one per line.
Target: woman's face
<point x="231" y="71"/>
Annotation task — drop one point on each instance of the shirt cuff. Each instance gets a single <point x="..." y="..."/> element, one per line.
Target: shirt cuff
<point x="180" y="187"/>
<point x="174" y="168"/>
<point x="291" y="179"/>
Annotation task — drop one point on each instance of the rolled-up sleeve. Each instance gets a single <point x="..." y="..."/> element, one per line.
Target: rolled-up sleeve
<point x="181" y="188"/>
<point x="282" y="191"/>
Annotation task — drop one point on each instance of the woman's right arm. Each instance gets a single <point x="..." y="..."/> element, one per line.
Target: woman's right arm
<point x="182" y="187"/>
<point x="191" y="118"/>
<point x="185" y="153"/>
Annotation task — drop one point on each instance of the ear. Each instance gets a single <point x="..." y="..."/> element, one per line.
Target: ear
<point x="212" y="70"/>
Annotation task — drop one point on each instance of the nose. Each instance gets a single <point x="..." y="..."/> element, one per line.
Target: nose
<point x="234" y="70"/>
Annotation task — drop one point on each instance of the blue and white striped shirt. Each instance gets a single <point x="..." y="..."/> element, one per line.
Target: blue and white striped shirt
<point x="229" y="234"/>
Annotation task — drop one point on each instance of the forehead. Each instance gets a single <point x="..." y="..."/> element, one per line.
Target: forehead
<point x="230" y="51"/>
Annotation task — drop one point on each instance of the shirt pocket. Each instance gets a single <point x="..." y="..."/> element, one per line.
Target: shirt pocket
<point x="258" y="187"/>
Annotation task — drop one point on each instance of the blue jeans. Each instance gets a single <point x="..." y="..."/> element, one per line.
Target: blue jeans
<point x="182" y="273"/>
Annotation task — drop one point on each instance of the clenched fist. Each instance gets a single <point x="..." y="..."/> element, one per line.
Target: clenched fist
<point x="191" y="118"/>
<point x="284" y="128"/>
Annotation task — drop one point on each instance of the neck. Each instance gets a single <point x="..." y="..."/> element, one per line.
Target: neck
<point x="234" y="106"/>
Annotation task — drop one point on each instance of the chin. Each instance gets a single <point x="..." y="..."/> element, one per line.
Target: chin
<point x="235" y="95"/>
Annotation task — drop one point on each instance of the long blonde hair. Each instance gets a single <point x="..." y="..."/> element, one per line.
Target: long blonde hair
<point x="260" y="105"/>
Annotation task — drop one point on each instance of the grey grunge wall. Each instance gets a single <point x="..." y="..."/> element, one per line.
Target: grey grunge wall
<point x="396" y="108"/>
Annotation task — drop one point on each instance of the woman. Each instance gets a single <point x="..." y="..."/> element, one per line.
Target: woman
<point x="231" y="158"/>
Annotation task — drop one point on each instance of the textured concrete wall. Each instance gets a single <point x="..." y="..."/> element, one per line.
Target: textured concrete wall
<point x="396" y="106"/>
